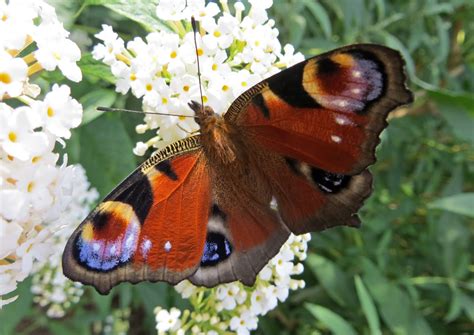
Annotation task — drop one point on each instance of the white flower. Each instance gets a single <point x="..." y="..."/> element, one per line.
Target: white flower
<point x="17" y="137"/>
<point x="166" y="321"/>
<point x="283" y="262"/>
<point x="36" y="248"/>
<point x="289" y="58"/>
<point x="171" y="10"/>
<point x="263" y="4"/>
<point x="35" y="193"/>
<point x="202" y="12"/>
<point x="263" y="300"/>
<point x="140" y="148"/>
<point x="10" y="232"/>
<point x="12" y="75"/>
<point x="244" y="323"/>
<point x="227" y="294"/>
<point x="220" y="33"/>
<point x="59" y="112"/>
<point x="56" y="50"/>
<point x="215" y="65"/>
<point x="34" y="182"/>
<point x="185" y="288"/>
<point x="15" y="24"/>
<point x="12" y="204"/>
<point x="113" y="45"/>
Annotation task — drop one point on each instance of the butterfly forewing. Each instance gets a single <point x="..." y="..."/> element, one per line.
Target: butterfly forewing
<point x="327" y="111"/>
<point x="151" y="227"/>
<point x="322" y="119"/>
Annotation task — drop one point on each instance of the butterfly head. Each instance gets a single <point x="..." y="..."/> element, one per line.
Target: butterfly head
<point x="202" y="112"/>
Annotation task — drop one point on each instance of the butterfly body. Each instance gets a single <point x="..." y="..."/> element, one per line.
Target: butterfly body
<point x="290" y="155"/>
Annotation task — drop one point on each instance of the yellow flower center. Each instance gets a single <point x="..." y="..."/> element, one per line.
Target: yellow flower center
<point x="30" y="186"/>
<point x="11" y="181"/>
<point x="214" y="67"/>
<point x="35" y="159"/>
<point x="204" y="99"/>
<point x="185" y="88"/>
<point x="225" y="88"/>
<point x="133" y="77"/>
<point x="244" y="83"/>
<point x="10" y="158"/>
<point x="164" y="101"/>
<point x="217" y="33"/>
<point x="149" y="87"/>
<point x="5" y="78"/>
<point x="50" y="112"/>
<point x="4" y="17"/>
<point x="200" y="52"/>
<point x="12" y="136"/>
<point x="57" y="55"/>
<point x="173" y="54"/>
<point x="182" y="118"/>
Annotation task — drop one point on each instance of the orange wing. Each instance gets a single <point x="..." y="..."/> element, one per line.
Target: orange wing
<point x="151" y="227"/>
<point x="327" y="111"/>
<point x="322" y="119"/>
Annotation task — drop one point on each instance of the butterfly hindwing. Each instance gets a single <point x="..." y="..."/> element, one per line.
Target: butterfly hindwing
<point x="248" y="231"/>
<point x="322" y="119"/>
<point x="151" y="227"/>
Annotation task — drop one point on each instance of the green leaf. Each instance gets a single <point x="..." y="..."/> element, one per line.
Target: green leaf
<point x="368" y="307"/>
<point x="90" y="101"/>
<point x="455" y="307"/>
<point x="103" y="302"/>
<point x="321" y="15"/>
<point x="125" y="294"/>
<point x="95" y="71"/>
<point x="335" y="281"/>
<point x="106" y="152"/>
<point x="380" y="5"/>
<point x="298" y="24"/>
<point x="396" y="309"/>
<point x="334" y="322"/>
<point x="139" y="11"/>
<point x="462" y="203"/>
<point x="468" y="305"/>
<point x="458" y="111"/>
<point x="153" y="294"/>
<point x="13" y="313"/>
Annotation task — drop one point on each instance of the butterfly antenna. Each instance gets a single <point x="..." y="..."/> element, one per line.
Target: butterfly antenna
<point x="107" y="109"/>
<point x="193" y="23"/>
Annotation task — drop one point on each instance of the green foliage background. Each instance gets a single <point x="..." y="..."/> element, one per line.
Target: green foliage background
<point x="409" y="269"/>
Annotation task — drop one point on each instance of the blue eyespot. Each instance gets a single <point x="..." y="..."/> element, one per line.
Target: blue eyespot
<point x="216" y="249"/>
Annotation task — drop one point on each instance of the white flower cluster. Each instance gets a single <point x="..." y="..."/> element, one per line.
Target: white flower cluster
<point x="34" y="190"/>
<point x="235" y="307"/>
<point x="235" y="51"/>
<point x="53" y="291"/>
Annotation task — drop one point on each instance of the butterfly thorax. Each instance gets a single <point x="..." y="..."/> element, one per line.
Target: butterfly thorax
<point x="215" y="134"/>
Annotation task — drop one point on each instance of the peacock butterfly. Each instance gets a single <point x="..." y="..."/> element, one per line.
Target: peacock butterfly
<point x="201" y="208"/>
